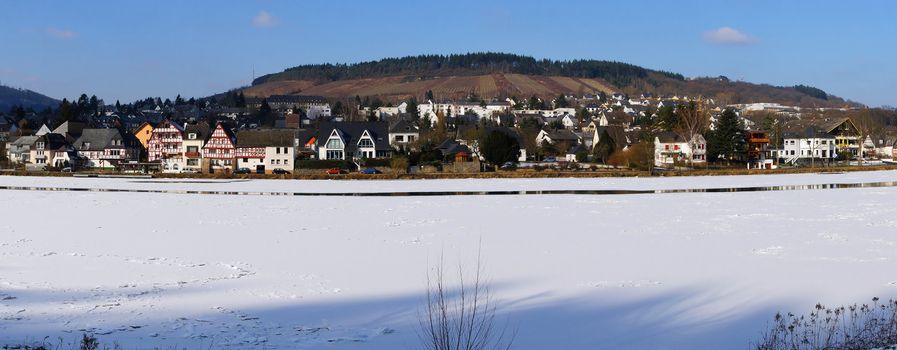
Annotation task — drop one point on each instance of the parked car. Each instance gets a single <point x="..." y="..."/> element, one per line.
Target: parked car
<point x="279" y="171"/>
<point x="334" y="171"/>
<point x="370" y="171"/>
<point x="549" y="160"/>
<point x="242" y="171"/>
<point x="67" y="169"/>
<point x="509" y="166"/>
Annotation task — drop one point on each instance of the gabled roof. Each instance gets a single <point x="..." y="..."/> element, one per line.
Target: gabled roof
<point x="69" y="127"/>
<point x="670" y="137"/>
<point x="98" y="139"/>
<point x="562" y="135"/>
<point x="265" y="138"/>
<point x="54" y="141"/>
<point x="404" y="126"/>
<point x="201" y="130"/>
<point x="351" y="132"/>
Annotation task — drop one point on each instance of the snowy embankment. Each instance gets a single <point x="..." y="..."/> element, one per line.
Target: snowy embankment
<point x="690" y="270"/>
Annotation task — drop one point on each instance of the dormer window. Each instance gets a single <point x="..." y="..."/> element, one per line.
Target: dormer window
<point x="191" y="136"/>
<point x="85" y="145"/>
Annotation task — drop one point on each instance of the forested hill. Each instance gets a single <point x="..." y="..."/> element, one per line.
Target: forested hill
<point x="489" y="75"/>
<point x="616" y="73"/>
<point x="10" y="96"/>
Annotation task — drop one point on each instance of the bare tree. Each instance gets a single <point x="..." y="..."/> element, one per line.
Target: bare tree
<point x="866" y="126"/>
<point x="461" y="319"/>
<point x="693" y="119"/>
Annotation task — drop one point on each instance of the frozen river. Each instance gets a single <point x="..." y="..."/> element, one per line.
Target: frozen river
<point x="152" y="265"/>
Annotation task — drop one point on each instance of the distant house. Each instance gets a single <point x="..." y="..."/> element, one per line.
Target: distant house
<point x="219" y="151"/>
<point x="166" y="146"/>
<point x="19" y="149"/>
<point x="569" y="121"/>
<point x="262" y="151"/>
<point x="103" y="148"/>
<point x="809" y="145"/>
<point x="195" y="136"/>
<point x="350" y="140"/>
<point x="557" y="136"/>
<point x="671" y="149"/>
<point x="403" y="135"/>
<point x="49" y="150"/>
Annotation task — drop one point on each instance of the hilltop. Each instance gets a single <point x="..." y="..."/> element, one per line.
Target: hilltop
<point x="10" y="96"/>
<point x="503" y="75"/>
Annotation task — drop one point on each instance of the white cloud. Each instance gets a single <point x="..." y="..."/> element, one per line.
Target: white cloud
<point x="727" y="36"/>
<point x="264" y="19"/>
<point x="61" y="34"/>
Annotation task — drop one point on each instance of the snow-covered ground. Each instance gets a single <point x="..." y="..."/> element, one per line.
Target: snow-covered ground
<point x="657" y="271"/>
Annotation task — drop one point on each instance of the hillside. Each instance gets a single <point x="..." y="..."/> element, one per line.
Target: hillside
<point x="22" y="97"/>
<point x="501" y="75"/>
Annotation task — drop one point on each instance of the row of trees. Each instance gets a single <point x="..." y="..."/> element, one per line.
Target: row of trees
<point x="617" y="73"/>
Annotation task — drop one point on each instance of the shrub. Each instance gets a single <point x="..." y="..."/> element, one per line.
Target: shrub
<point x="852" y="327"/>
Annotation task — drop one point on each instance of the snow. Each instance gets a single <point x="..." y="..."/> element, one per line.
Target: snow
<point x="645" y="271"/>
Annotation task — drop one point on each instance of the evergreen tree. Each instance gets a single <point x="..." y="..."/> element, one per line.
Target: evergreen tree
<point x="605" y="146"/>
<point x="727" y="140"/>
<point x="411" y="108"/>
<point x="498" y="147"/>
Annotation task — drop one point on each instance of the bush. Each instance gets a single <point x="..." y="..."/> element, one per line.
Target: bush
<point x="852" y="327"/>
<point x="399" y="163"/>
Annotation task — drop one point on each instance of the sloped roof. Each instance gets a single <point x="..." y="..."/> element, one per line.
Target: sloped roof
<point x="265" y="138"/>
<point x="98" y="139"/>
<point x="404" y="126"/>
<point x="351" y="132"/>
<point x="201" y="130"/>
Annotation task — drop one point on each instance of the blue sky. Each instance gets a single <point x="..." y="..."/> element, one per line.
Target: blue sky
<point x="133" y="49"/>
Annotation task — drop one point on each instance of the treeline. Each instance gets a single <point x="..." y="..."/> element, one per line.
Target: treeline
<point x="617" y="73"/>
<point x="809" y="90"/>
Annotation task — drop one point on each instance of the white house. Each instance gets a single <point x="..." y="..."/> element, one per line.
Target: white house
<point x="403" y="135"/>
<point x="263" y="151"/>
<point x="353" y="140"/>
<point x="808" y="145"/>
<point x="103" y="148"/>
<point x="670" y="148"/>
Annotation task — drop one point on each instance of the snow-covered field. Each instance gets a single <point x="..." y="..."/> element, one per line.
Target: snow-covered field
<point x="689" y="270"/>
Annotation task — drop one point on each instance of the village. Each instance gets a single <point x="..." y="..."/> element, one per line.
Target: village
<point x="284" y="134"/>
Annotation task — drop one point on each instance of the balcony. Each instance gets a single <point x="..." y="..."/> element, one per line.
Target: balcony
<point x="192" y="154"/>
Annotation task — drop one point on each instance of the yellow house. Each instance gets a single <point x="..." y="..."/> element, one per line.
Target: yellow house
<point x="143" y="133"/>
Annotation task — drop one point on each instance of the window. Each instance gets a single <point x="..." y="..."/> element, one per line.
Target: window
<point x="192" y="162"/>
<point x="410" y="138"/>
<point x="400" y="138"/>
<point x="334" y="143"/>
<point x="191" y="136"/>
<point x="277" y="150"/>
<point x="245" y="160"/>
<point x="272" y="161"/>
<point x="192" y="148"/>
<point x="366" y="143"/>
<point x="334" y="154"/>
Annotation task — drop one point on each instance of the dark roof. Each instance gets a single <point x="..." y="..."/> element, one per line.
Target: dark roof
<point x="562" y="135"/>
<point x="98" y="139"/>
<point x="55" y="141"/>
<point x="265" y="138"/>
<point x="670" y="137"/>
<point x="351" y="132"/>
<point x="404" y="126"/>
<point x="201" y="130"/>
<point x="616" y="133"/>
<point x="450" y="146"/>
